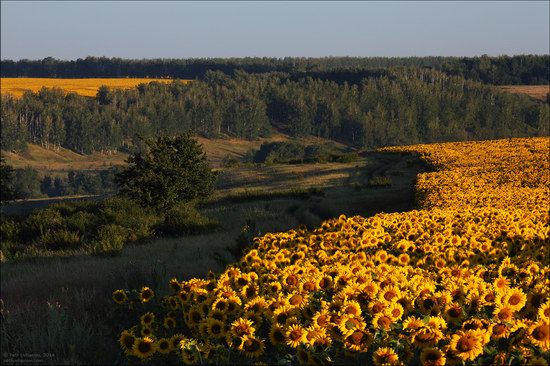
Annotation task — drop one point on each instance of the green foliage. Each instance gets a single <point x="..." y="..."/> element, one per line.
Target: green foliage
<point x="26" y="183"/>
<point x="380" y="181"/>
<point x="41" y="221"/>
<point x="128" y="214"/>
<point x="82" y="222"/>
<point x="59" y="239"/>
<point x="185" y="219"/>
<point x="292" y="152"/>
<point x="7" y="190"/>
<point x="171" y="170"/>
<point x="110" y="240"/>
<point x="365" y="108"/>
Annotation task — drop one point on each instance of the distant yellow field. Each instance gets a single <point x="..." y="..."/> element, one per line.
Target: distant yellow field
<point x="86" y="87"/>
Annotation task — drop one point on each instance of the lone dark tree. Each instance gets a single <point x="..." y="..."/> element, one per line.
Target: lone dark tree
<point x="7" y="191"/>
<point x="170" y="170"/>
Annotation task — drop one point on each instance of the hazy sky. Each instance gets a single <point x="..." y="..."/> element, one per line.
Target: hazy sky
<point x="71" y="30"/>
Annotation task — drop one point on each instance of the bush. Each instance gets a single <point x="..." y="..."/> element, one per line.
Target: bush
<point x="127" y="213"/>
<point x="41" y="221"/>
<point x="185" y="219"/>
<point x="60" y="239"/>
<point x="110" y="240"/>
<point x="81" y="222"/>
<point x="229" y="161"/>
<point x="380" y="181"/>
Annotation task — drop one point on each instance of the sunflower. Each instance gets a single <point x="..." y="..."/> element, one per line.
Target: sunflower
<point x="544" y="311"/>
<point x="358" y="341"/>
<point x="314" y="331"/>
<point x="499" y="330"/>
<point x="426" y="337"/>
<point x="146" y="331"/>
<point x="185" y="297"/>
<point x="256" y="318"/>
<point x="169" y="322"/>
<point x="467" y="345"/>
<point x="163" y="345"/>
<point x="325" y="283"/>
<point x="297" y="300"/>
<point x="432" y="357"/>
<point x="303" y="356"/>
<point x="385" y="357"/>
<point x="146" y="294"/>
<point x="120" y="297"/>
<point x="515" y="299"/>
<point x="252" y="347"/>
<point x="127" y="340"/>
<point x="147" y="319"/>
<point x="395" y="311"/>
<point x="256" y="305"/>
<point x="454" y="313"/>
<point x="233" y="305"/>
<point x="382" y="321"/>
<point x="321" y="318"/>
<point x="539" y="334"/>
<point x="295" y="335"/>
<point x="501" y="284"/>
<point x="276" y="335"/>
<point x="389" y="294"/>
<point x="412" y="323"/>
<point x="193" y="316"/>
<point x="144" y="347"/>
<point x="503" y="314"/>
<point x="242" y="327"/>
<point x="173" y="302"/>
<point x="282" y="313"/>
<point x="349" y="324"/>
<point x="175" y="285"/>
<point x="351" y="307"/>
<point x="189" y="357"/>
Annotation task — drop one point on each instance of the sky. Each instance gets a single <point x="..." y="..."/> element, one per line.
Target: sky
<point x="175" y="29"/>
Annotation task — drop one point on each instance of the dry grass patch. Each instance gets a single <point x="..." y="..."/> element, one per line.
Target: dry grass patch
<point x="538" y="92"/>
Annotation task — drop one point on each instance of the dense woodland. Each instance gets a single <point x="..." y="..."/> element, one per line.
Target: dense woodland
<point x="501" y="70"/>
<point x="390" y="107"/>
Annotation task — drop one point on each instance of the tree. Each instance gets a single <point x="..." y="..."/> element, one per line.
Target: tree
<point x="169" y="171"/>
<point x="7" y="191"/>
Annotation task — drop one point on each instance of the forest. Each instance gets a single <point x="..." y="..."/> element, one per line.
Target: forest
<point x="395" y="106"/>
<point x="499" y="70"/>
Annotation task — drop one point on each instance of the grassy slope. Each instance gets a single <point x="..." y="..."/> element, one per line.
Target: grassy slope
<point x="61" y="160"/>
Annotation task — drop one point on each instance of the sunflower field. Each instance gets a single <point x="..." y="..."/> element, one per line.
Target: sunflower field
<point x="464" y="279"/>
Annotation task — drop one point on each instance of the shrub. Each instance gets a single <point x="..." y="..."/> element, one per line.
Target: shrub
<point x="9" y="230"/>
<point x="60" y="239"/>
<point x="169" y="171"/>
<point x="185" y="219"/>
<point x="110" y="240"/>
<point x="127" y="213"/>
<point x="229" y="161"/>
<point x="380" y="181"/>
<point x="41" y="221"/>
<point x="81" y="222"/>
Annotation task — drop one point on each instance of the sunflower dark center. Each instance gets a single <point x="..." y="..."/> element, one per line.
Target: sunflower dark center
<point x="541" y="333"/>
<point x="465" y="344"/>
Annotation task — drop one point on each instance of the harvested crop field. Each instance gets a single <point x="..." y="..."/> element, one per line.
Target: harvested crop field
<point x="538" y="92"/>
<point x="86" y="87"/>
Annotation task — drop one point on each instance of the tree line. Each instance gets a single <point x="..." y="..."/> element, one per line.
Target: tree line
<point x="501" y="70"/>
<point x="395" y="107"/>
